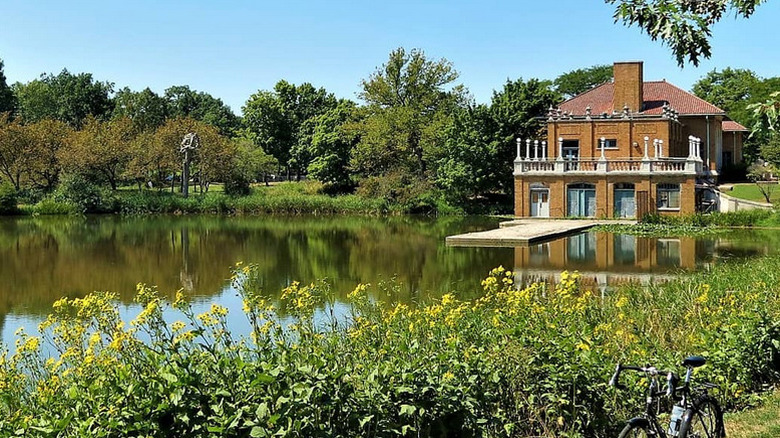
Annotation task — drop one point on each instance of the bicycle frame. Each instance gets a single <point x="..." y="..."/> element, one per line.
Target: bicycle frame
<point x="649" y="418"/>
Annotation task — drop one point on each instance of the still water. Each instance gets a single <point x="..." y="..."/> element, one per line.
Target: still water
<point x="43" y="259"/>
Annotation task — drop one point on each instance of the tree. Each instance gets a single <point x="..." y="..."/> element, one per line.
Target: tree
<point x="732" y="90"/>
<point x="480" y="142"/>
<point x="583" y="79"/>
<point x="683" y="25"/>
<point x="273" y="119"/>
<point x="251" y="162"/>
<point x="408" y="102"/>
<point x="186" y="103"/>
<point x="145" y="108"/>
<point x="737" y="91"/>
<point x="100" y="151"/>
<point x="47" y="138"/>
<point x="515" y="111"/>
<point x="469" y="167"/>
<point x="15" y="144"/>
<point x="761" y="173"/>
<point x="153" y="161"/>
<point x="770" y="150"/>
<point x="7" y="98"/>
<point x="331" y="144"/>
<point x="67" y="97"/>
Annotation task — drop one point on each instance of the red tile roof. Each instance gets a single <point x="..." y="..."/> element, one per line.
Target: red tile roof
<point x="655" y="94"/>
<point x="730" y="125"/>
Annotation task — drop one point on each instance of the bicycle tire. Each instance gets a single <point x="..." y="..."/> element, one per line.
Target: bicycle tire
<point x="703" y="420"/>
<point x="634" y="431"/>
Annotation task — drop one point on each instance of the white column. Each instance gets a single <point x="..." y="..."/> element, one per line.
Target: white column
<point x="527" y="149"/>
<point x="655" y="148"/>
<point x="560" y="148"/>
<point x="603" y="142"/>
<point x="519" y="142"/>
<point x="660" y="148"/>
<point x="690" y="146"/>
<point x="536" y="150"/>
<point x="646" y="140"/>
<point x="698" y="147"/>
<point x="544" y="150"/>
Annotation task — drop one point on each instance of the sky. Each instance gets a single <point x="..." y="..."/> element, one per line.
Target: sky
<point x="232" y="49"/>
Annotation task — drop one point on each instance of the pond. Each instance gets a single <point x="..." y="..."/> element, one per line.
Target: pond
<point x="45" y="258"/>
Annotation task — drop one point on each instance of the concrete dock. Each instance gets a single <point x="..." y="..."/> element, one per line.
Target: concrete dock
<point x="523" y="232"/>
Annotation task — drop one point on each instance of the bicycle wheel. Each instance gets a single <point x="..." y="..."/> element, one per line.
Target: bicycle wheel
<point x="703" y="420"/>
<point x="634" y="431"/>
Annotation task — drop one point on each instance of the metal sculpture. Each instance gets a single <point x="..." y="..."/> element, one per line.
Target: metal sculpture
<point x="189" y="144"/>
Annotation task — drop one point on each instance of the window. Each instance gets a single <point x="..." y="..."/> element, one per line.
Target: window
<point x="668" y="196"/>
<point x="668" y="252"/>
<point x="609" y="143"/>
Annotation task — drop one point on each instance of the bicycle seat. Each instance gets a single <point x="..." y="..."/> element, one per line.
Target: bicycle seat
<point x="694" y="361"/>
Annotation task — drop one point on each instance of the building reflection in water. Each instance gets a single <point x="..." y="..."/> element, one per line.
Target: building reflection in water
<point x="605" y="259"/>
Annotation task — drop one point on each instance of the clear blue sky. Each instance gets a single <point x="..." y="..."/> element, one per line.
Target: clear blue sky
<point x="233" y="48"/>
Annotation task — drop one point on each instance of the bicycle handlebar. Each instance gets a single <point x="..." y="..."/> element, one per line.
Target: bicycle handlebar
<point x="653" y="371"/>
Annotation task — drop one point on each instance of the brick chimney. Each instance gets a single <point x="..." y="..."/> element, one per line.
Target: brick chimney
<point x="628" y="86"/>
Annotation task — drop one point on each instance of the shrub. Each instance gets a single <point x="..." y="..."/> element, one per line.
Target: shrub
<point x="236" y="184"/>
<point x="51" y="206"/>
<point x="88" y="196"/>
<point x="8" y="198"/>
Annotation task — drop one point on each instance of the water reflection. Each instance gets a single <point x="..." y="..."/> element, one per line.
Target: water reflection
<point x="44" y="259"/>
<point x="606" y="259"/>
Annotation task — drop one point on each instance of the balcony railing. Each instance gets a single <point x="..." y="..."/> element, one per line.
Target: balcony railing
<point x="602" y="166"/>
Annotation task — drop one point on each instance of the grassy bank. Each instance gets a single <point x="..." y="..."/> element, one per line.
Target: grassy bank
<point x="696" y="225"/>
<point x="750" y="192"/>
<point x="528" y="362"/>
<point x="760" y="422"/>
<point x="283" y="198"/>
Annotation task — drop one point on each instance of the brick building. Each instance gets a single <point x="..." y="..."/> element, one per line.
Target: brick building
<point x="624" y="149"/>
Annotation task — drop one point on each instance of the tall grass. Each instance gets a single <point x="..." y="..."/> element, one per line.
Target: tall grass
<point x="517" y="362"/>
<point x="286" y="198"/>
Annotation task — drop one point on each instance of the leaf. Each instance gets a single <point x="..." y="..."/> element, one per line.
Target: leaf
<point x="366" y="420"/>
<point x="171" y="378"/>
<point x="258" y="432"/>
<point x="408" y="410"/>
<point x="262" y="411"/>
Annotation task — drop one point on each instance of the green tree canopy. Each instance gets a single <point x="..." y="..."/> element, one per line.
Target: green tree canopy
<point x="732" y="90"/>
<point x="578" y="81"/>
<point x="480" y="144"/>
<point x="7" y="98"/>
<point x="100" y="151"/>
<point x="184" y="102"/>
<point x="147" y="109"/>
<point x="48" y="137"/>
<point x="66" y="97"/>
<point x="683" y="25"/>
<point x="409" y="102"/>
<point x="15" y="144"/>
<point x="331" y="144"/>
<point x="273" y="119"/>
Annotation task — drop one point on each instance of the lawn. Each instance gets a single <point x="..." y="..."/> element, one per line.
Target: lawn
<point x="751" y="192"/>
<point x="761" y="422"/>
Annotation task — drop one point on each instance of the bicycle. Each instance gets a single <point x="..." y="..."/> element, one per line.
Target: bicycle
<point x="695" y="414"/>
